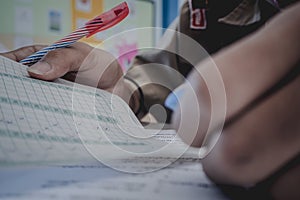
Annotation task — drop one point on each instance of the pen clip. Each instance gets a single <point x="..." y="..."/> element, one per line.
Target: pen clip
<point x="109" y="18"/>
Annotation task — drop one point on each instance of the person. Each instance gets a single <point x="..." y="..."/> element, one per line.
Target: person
<point x="258" y="150"/>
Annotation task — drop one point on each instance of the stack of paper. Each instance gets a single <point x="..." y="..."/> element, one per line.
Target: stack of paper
<point x="60" y="140"/>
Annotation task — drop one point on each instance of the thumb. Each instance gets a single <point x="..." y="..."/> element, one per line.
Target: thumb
<point x="58" y="62"/>
<point x="47" y="70"/>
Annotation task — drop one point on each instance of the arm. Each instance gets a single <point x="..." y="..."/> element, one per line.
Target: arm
<point x="259" y="136"/>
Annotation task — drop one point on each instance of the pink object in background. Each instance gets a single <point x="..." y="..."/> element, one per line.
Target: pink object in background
<point x="126" y="53"/>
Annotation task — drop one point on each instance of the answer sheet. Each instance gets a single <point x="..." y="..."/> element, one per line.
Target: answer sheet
<point x="60" y="140"/>
<point x="50" y="122"/>
<point x="182" y="180"/>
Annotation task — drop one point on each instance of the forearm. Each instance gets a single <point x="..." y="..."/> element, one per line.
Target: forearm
<point x="244" y="154"/>
<point x="255" y="64"/>
<point x="248" y="69"/>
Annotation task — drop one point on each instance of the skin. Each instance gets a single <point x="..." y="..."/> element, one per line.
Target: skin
<point x="83" y="64"/>
<point x="261" y="130"/>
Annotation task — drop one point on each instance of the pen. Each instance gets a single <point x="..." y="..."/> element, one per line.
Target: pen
<point x="100" y="23"/>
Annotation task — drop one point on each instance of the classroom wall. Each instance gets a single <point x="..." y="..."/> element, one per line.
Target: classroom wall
<point x="25" y="22"/>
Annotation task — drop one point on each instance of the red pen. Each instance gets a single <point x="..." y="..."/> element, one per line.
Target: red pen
<point x="99" y="23"/>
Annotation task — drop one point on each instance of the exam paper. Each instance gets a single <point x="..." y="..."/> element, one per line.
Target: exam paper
<point x="60" y="141"/>
<point x="62" y="122"/>
<point x="184" y="179"/>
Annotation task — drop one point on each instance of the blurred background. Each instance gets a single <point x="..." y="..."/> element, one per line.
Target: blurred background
<point x="26" y="22"/>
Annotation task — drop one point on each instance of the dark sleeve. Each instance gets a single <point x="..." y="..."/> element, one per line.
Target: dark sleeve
<point x="156" y="72"/>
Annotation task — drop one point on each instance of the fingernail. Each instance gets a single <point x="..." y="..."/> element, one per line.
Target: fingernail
<point x="40" y="68"/>
<point x="172" y="100"/>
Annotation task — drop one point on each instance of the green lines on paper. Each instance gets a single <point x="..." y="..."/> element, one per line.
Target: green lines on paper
<point x="42" y="137"/>
<point x="44" y="83"/>
<point x="53" y="109"/>
<point x="62" y="139"/>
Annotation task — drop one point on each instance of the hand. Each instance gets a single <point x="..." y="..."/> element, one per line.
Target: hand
<point x="81" y="63"/>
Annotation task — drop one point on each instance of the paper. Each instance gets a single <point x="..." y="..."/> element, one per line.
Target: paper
<point x="54" y="21"/>
<point x="23" y="20"/>
<point x="84" y="5"/>
<point x="50" y="122"/>
<point x="127" y="53"/>
<point x="182" y="180"/>
<point x="51" y="133"/>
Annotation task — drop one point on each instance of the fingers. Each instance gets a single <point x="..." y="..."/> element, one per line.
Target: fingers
<point x="88" y="65"/>
<point x="98" y="69"/>
<point x="22" y="53"/>
<point x="59" y="62"/>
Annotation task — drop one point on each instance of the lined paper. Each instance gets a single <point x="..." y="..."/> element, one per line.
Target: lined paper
<point x="64" y="141"/>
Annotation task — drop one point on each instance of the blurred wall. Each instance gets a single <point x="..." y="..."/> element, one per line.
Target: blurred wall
<point x="26" y="22"/>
